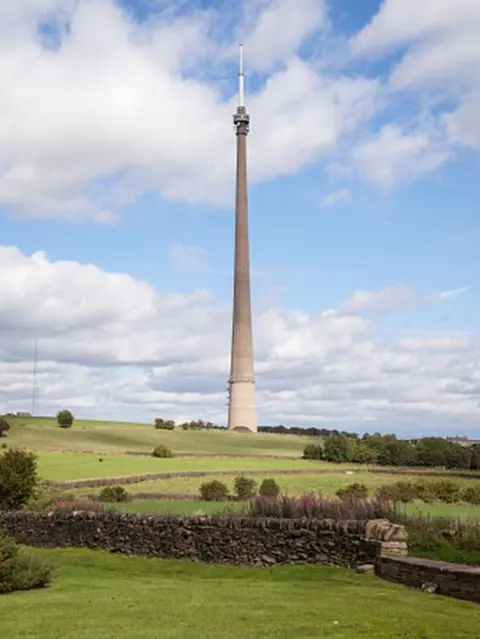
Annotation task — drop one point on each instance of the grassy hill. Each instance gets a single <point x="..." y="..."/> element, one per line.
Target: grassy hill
<point x="119" y="437"/>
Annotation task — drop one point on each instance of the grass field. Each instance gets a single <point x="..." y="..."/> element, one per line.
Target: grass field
<point x="117" y="437"/>
<point x="327" y="484"/>
<point x="101" y="596"/>
<point x="70" y="466"/>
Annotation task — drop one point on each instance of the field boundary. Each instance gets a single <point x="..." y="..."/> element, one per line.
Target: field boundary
<point x="218" y="540"/>
<point x="137" y="479"/>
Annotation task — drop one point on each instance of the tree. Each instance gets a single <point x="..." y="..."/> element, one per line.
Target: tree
<point x="312" y="451"/>
<point x="65" y="418"/>
<point x="18" y="478"/>
<point x="475" y="457"/>
<point x="245" y="487"/>
<point x="432" y="452"/>
<point x="396" y="453"/>
<point x="338" y="448"/>
<point x="362" y="454"/>
<point x="4" y="426"/>
<point x="164" y="424"/>
<point x="269" y="488"/>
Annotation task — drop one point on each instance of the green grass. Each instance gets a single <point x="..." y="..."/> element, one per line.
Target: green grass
<point x="462" y="511"/>
<point x="118" y="437"/>
<point x="71" y="466"/>
<point x="327" y="484"/>
<point x="177" y="507"/>
<point x="101" y="596"/>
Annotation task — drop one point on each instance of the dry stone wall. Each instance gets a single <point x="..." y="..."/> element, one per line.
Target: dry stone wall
<point x="221" y="540"/>
<point x="442" y="578"/>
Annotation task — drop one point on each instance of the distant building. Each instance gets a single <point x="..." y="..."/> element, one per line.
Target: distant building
<point x="23" y="414"/>
<point x="464" y="441"/>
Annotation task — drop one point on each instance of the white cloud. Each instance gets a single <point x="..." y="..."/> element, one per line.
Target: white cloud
<point x="463" y="125"/>
<point x="395" y="156"/>
<point x="279" y="29"/>
<point x="456" y="292"/>
<point x="336" y="197"/>
<point x="120" y="107"/>
<point x="438" y="56"/>
<point x="111" y="345"/>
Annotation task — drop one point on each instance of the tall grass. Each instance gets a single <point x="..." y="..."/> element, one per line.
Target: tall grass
<point x="440" y="538"/>
<point x="315" y="506"/>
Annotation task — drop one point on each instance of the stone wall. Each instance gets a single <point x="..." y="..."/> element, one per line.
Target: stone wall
<point x="453" y="580"/>
<point x="221" y="540"/>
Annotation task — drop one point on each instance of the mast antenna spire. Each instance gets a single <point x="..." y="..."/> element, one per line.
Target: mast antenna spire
<point x="241" y="80"/>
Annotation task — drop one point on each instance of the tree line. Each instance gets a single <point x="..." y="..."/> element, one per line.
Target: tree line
<point x="387" y="450"/>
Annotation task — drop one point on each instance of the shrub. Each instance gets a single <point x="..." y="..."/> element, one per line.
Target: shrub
<point x="424" y="491"/>
<point x="312" y="451"/>
<point x="471" y="495"/>
<point x="314" y="506"/>
<point x="269" y="488"/>
<point x="245" y="487"/>
<point x="20" y="571"/>
<point x="18" y="478"/>
<point x="112" y="494"/>
<point x="446" y="491"/>
<point x="356" y="491"/>
<point x="65" y="419"/>
<point x="162" y="451"/>
<point x="164" y="424"/>
<point x="4" y="426"/>
<point x="400" y="491"/>
<point x="214" y="491"/>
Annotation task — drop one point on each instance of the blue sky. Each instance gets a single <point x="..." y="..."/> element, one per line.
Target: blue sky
<point x="363" y="168"/>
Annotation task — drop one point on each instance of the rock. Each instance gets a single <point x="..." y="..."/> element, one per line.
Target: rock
<point x="366" y="569"/>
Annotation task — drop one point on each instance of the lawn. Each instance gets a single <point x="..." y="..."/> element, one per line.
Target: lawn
<point x="71" y="466"/>
<point x="327" y="484"/>
<point x="178" y="507"/>
<point x="118" y="437"/>
<point x="101" y="596"/>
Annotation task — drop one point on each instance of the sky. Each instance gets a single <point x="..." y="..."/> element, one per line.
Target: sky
<point x="116" y="209"/>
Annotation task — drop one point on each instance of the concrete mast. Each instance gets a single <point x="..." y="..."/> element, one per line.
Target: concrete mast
<point x="242" y="412"/>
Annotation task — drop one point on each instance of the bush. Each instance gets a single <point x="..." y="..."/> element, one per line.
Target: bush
<point x="312" y="451"/>
<point x="314" y="506"/>
<point x="356" y="491"/>
<point x="164" y="424"/>
<point x="18" y="478"/>
<point x="269" y="488"/>
<point x="424" y="491"/>
<point x="20" y="571"/>
<point x="4" y="426"/>
<point x="245" y="488"/>
<point x="214" y="491"/>
<point x="471" y="495"/>
<point x="400" y="491"/>
<point x="162" y="451"/>
<point x="65" y="419"/>
<point x="446" y="491"/>
<point x="113" y="494"/>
